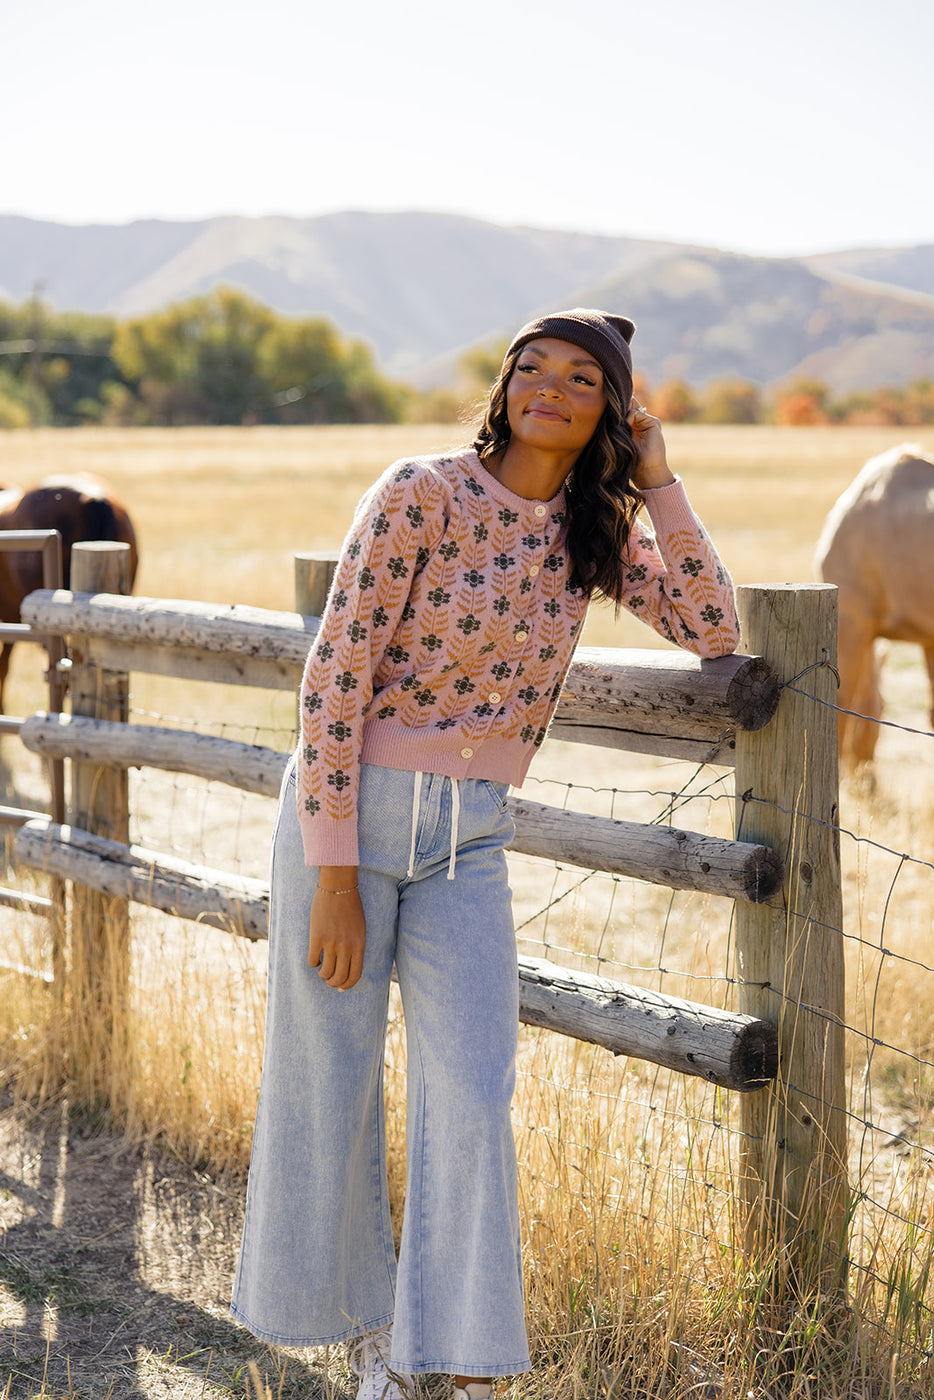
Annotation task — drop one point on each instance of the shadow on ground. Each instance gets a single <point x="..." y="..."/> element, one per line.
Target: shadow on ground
<point x="115" y="1270"/>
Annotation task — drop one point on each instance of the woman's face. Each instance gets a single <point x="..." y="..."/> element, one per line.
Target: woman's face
<point x="555" y="396"/>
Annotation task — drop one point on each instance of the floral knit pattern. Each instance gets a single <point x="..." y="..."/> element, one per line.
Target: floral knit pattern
<point x="451" y="624"/>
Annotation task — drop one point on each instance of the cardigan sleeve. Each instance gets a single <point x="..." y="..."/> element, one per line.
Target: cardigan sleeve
<point x="394" y="530"/>
<point x="675" y="579"/>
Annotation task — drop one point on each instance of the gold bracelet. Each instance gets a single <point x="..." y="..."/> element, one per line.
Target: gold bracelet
<point x="353" y="890"/>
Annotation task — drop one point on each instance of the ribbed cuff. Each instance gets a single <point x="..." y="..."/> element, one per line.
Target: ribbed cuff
<point x="327" y="842"/>
<point x="669" y="508"/>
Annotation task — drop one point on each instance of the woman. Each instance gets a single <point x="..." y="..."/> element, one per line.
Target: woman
<point x="460" y="593"/>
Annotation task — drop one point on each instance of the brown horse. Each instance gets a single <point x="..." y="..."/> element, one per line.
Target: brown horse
<point x="79" y="508"/>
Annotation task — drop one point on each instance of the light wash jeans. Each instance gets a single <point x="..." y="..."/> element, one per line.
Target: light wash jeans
<point x="317" y="1262"/>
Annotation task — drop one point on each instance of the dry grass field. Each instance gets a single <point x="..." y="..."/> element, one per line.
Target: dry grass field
<point x="222" y="510"/>
<point x="635" y="1285"/>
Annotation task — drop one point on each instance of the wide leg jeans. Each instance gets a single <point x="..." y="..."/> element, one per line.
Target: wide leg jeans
<point x="317" y="1261"/>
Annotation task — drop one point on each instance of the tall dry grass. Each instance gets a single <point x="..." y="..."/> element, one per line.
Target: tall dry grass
<point x="635" y="1282"/>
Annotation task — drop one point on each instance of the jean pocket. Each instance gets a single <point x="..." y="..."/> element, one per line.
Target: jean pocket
<point x="499" y="793"/>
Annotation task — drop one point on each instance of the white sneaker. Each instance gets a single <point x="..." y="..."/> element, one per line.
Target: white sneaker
<point x="476" y="1390"/>
<point x="368" y="1359"/>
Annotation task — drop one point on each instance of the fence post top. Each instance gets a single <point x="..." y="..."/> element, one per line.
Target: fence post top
<point x="807" y="587"/>
<point x="100" y="547"/>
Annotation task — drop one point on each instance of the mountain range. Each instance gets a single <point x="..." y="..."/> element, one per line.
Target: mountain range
<point x="422" y="288"/>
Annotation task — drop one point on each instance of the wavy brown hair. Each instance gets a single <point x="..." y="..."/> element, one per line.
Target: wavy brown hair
<point x="601" y="499"/>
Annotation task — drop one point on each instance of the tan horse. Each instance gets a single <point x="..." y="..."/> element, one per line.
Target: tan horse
<point x="79" y="508"/>
<point x="877" y="546"/>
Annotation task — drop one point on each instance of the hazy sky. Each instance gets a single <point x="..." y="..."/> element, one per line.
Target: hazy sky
<point x="763" y="127"/>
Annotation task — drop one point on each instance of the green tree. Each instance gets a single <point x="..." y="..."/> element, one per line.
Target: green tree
<point x="314" y="376"/>
<point x="229" y="374"/>
<point x="14" y="401"/>
<point x="300" y="360"/>
<point x="479" y="368"/>
<point x="225" y="358"/>
<point x="369" y="396"/>
<point x="79" y="362"/>
<point x="60" y="360"/>
<point x="197" y="361"/>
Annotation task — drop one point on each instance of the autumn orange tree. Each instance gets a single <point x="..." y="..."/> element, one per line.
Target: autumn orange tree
<point x="889" y="406"/>
<point x="802" y="404"/>
<point x="674" y="402"/>
<point x="731" y="401"/>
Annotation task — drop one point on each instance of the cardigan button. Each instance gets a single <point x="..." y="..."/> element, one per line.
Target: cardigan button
<point x="466" y="753"/>
<point x="533" y="571"/>
<point x="494" y="697"/>
<point x="541" y="510"/>
<point x="522" y="636"/>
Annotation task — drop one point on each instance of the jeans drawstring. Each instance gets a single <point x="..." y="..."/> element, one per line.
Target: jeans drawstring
<point x="415" y="803"/>
<point x="455" y="820"/>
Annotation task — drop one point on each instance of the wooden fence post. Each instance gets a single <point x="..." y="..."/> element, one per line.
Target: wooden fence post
<point x="790" y="951"/>
<point x="314" y="571"/>
<point x="99" y="804"/>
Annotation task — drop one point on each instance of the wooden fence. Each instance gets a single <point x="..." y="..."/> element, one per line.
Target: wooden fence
<point x="781" y="869"/>
<point x="48" y="544"/>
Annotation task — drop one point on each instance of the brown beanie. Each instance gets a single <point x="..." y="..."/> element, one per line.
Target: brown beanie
<point x="605" y="337"/>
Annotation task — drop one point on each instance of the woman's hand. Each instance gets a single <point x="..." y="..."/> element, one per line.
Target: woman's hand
<point x="653" y="467"/>
<point x="337" y="929"/>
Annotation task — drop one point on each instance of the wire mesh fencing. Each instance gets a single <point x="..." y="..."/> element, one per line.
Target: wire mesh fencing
<point x="621" y="1161"/>
<point x="648" y="1145"/>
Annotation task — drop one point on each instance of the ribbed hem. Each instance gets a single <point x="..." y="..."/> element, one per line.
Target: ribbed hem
<point x="329" y="842"/>
<point x="420" y="750"/>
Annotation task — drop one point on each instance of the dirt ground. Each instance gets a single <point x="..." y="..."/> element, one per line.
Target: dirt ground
<point x="115" y="1271"/>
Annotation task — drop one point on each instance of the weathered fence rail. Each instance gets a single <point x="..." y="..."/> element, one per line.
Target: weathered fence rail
<point x="726" y="1048"/>
<point x="662" y="855"/>
<point x="636" y="698"/>
<point x="666" y="703"/>
<point x="670" y="703"/>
